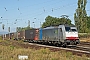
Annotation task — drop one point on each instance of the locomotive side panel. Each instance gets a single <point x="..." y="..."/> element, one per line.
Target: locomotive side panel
<point x="40" y="34"/>
<point x="50" y="34"/>
<point x="61" y="33"/>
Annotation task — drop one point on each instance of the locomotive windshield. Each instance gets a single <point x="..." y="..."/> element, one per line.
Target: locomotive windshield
<point x="70" y="29"/>
<point x="73" y="29"/>
<point x="67" y="28"/>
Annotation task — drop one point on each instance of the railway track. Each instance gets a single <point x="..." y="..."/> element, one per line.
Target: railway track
<point x="78" y="50"/>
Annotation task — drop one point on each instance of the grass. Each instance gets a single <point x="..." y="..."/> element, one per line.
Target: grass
<point x="10" y="51"/>
<point x="85" y="39"/>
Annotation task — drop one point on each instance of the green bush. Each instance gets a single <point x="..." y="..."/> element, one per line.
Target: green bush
<point x="84" y="35"/>
<point x="0" y="38"/>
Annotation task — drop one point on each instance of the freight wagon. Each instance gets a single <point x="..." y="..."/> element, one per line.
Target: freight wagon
<point x="9" y="35"/>
<point x="27" y="35"/>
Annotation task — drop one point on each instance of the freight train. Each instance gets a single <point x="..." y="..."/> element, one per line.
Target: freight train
<point x="62" y="35"/>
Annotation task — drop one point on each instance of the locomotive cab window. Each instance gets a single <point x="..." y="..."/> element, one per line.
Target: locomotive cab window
<point x="67" y="28"/>
<point x="73" y="30"/>
<point x="70" y="29"/>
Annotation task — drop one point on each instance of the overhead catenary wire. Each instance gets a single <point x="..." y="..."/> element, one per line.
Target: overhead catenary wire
<point x="41" y="7"/>
<point x="53" y="9"/>
<point x="26" y="6"/>
<point x="5" y="8"/>
<point x="33" y="5"/>
<point x="45" y="11"/>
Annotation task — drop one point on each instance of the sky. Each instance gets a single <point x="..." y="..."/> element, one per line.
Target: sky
<point x="17" y="13"/>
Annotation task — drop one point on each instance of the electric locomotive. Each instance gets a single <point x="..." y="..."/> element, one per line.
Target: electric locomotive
<point x="61" y="35"/>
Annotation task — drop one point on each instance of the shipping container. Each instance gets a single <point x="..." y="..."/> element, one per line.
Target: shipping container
<point x="9" y="35"/>
<point x="31" y="34"/>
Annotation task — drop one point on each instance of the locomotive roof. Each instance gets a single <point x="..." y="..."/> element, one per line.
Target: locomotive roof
<point x="66" y="25"/>
<point x="50" y="27"/>
<point x="69" y="25"/>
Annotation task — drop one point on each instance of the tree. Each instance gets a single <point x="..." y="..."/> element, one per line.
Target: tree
<point x="88" y="22"/>
<point x="54" y="21"/>
<point x="80" y="16"/>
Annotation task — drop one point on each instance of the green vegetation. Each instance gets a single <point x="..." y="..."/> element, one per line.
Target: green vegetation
<point x="54" y="21"/>
<point x="80" y="16"/>
<point x="84" y="35"/>
<point x="10" y="49"/>
<point x="88" y="23"/>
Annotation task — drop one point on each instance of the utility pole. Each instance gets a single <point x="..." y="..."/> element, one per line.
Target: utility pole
<point x="3" y="30"/>
<point x="40" y="24"/>
<point x="29" y="23"/>
<point x="33" y="24"/>
<point x="17" y="32"/>
<point x="9" y="32"/>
